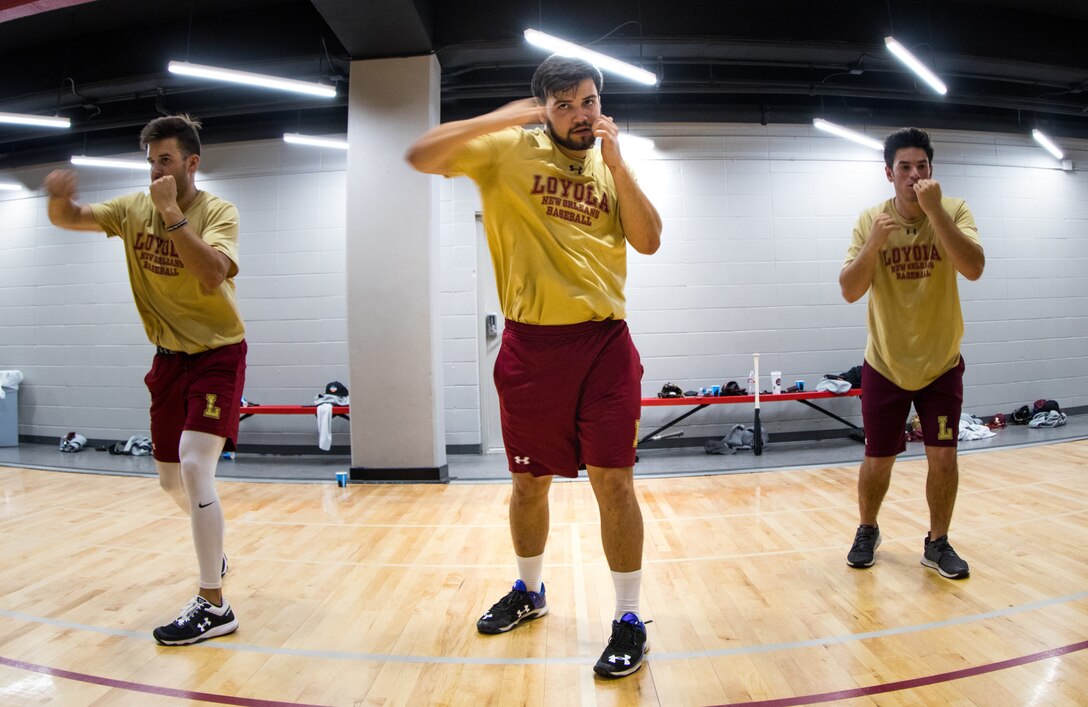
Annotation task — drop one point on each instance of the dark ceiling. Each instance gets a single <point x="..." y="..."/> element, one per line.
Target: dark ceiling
<point x="1010" y="64"/>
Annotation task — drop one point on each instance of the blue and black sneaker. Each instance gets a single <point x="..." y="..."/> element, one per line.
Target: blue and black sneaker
<point x="625" y="650"/>
<point x="517" y="606"/>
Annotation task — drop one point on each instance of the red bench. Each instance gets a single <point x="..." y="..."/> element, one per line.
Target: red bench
<point x="250" y="410"/>
<point x="702" y="402"/>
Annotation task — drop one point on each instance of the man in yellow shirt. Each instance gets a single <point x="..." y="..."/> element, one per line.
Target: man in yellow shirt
<point x="906" y="253"/>
<point x="181" y="247"/>
<point x="559" y="210"/>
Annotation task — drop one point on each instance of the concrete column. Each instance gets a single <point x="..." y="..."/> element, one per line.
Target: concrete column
<point x="394" y="336"/>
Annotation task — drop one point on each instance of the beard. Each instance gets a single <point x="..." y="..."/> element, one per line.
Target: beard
<point x="569" y="141"/>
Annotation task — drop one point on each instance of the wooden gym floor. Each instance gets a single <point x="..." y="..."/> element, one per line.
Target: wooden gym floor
<point x="368" y="595"/>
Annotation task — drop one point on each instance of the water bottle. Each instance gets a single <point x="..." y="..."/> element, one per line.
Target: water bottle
<point x="751" y="383"/>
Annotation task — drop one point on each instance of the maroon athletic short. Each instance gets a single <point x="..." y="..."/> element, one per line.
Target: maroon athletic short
<point x="885" y="406"/>
<point x="569" y="395"/>
<point x="200" y="392"/>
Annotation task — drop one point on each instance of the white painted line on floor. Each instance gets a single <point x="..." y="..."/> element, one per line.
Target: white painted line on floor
<point x="229" y="645"/>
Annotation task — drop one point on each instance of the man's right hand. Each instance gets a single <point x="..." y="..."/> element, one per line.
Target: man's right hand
<point x="882" y="229"/>
<point x="61" y="184"/>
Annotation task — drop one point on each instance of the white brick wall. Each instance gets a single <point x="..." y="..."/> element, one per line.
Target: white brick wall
<point x="757" y="220"/>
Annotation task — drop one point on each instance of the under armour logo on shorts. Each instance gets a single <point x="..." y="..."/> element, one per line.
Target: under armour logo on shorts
<point x="524" y="461"/>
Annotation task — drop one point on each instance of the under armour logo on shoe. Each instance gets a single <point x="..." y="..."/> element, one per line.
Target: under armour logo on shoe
<point x="524" y="610"/>
<point x="488" y="615"/>
<point x="203" y="625"/>
<point x="524" y="461"/>
<point x="625" y="658"/>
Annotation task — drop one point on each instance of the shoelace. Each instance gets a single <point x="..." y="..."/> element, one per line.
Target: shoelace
<point x="194" y="605"/>
<point x="513" y="599"/>
<point x="865" y="534"/>
<point x="624" y="638"/>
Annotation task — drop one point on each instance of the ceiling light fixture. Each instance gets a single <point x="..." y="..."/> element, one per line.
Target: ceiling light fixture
<point x="85" y="161"/>
<point x="847" y="133"/>
<point x="184" y="68"/>
<point x="601" y="61"/>
<point x="36" y="120"/>
<point x="10" y="187"/>
<point x="636" y="143"/>
<point x="1047" y="143"/>
<point x="914" y="65"/>
<point x="297" y="139"/>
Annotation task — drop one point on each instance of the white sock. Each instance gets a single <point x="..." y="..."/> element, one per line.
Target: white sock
<point x="199" y="455"/>
<point x="628" y="586"/>
<point x="530" y="572"/>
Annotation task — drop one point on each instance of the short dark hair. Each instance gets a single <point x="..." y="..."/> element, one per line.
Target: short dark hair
<point x="906" y="137"/>
<point x="184" y="127"/>
<point x="559" y="74"/>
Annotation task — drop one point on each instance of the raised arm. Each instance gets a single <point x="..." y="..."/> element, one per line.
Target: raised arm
<point x="641" y="222"/>
<point x="64" y="211"/>
<point x="211" y="266"/>
<point x="433" y="152"/>
<point x="967" y="256"/>
<point x="857" y="276"/>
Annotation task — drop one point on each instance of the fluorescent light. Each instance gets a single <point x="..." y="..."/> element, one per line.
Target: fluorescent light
<point x="1048" y="144"/>
<point x="37" y="120"/>
<point x="244" y="77"/>
<point x="315" y="141"/>
<point x="914" y="65"/>
<point x="847" y="133"/>
<point x="84" y="161"/>
<point x="605" y="63"/>
<point x="10" y="187"/>
<point x="636" y="143"/>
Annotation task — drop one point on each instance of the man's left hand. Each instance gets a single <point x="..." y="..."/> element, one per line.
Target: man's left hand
<point x="164" y="194"/>
<point x="929" y="195"/>
<point x="609" y="135"/>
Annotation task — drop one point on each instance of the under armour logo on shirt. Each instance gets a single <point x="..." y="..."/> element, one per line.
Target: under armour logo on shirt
<point x="524" y="461"/>
<point x="912" y="231"/>
<point x="576" y="168"/>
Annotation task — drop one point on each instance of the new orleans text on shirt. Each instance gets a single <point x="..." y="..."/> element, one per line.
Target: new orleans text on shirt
<point x="157" y="255"/>
<point x="911" y="262"/>
<point x="570" y="200"/>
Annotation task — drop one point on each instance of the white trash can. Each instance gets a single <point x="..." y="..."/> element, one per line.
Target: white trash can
<point x="9" y="408"/>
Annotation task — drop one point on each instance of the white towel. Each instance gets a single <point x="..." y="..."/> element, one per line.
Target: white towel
<point x="324" y="426"/>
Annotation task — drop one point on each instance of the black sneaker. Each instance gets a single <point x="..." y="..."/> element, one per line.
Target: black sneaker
<point x="223" y="572"/>
<point x="199" y="621"/>
<point x="517" y="606"/>
<point x="940" y="556"/>
<point x="866" y="541"/>
<point x="625" y="650"/>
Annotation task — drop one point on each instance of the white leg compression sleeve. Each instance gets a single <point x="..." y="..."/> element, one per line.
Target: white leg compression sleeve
<point x="170" y="481"/>
<point x="199" y="456"/>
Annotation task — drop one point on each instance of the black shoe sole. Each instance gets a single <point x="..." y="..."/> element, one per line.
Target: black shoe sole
<point x="535" y="614"/>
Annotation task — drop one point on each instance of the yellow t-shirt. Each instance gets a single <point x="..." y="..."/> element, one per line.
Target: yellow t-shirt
<point x="915" y="321"/>
<point x="553" y="228"/>
<point x="177" y="313"/>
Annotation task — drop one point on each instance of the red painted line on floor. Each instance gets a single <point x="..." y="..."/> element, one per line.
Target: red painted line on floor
<point x="913" y="682"/>
<point x="149" y="689"/>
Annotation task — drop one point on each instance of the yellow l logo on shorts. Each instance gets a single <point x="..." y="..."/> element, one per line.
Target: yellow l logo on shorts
<point x="637" y="423"/>
<point x="942" y="428"/>
<point x="210" y="410"/>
